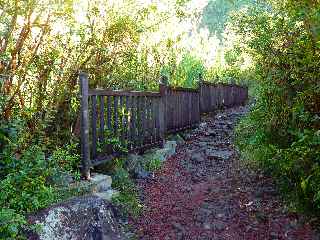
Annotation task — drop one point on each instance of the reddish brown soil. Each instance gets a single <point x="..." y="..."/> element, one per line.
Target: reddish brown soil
<point x="203" y="192"/>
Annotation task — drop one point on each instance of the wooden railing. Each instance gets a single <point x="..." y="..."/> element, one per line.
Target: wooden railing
<point x="136" y="121"/>
<point x="215" y="96"/>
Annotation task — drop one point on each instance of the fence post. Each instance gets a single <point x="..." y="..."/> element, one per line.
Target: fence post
<point x="163" y="84"/>
<point x="85" y="147"/>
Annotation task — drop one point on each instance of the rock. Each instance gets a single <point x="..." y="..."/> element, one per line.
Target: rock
<point x="107" y="195"/>
<point x="210" y="132"/>
<point x="207" y="226"/>
<point x="197" y="158"/>
<point x="97" y="183"/>
<point x="161" y="154"/>
<point x="170" y="148"/>
<point x="203" y="125"/>
<point x="178" y="226"/>
<point x="218" y="225"/>
<point x="219" y="154"/>
<point x="100" y="183"/>
<point x="265" y="190"/>
<point x="135" y="164"/>
<point x="177" y="138"/>
<point x="142" y="174"/>
<point x="133" y="161"/>
<point x="85" y="218"/>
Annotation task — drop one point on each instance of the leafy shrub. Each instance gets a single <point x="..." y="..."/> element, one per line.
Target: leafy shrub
<point x="153" y="164"/>
<point x="128" y="198"/>
<point x="68" y="158"/>
<point x="281" y="133"/>
<point x="10" y="224"/>
<point x="25" y="171"/>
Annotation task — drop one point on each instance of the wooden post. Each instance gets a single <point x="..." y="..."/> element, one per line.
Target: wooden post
<point x="85" y="147"/>
<point x="163" y="107"/>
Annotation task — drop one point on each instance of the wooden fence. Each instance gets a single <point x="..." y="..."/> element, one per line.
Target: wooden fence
<point x="215" y="96"/>
<point x="136" y="121"/>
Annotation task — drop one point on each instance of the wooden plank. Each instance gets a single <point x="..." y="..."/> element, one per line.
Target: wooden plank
<point x="198" y="114"/>
<point x="149" y="120"/>
<point x="130" y="116"/>
<point x="156" y="105"/>
<point x="101" y="98"/>
<point x="85" y="147"/>
<point x="133" y="122"/>
<point x="101" y="92"/>
<point x="121" y="119"/>
<point x="94" y="126"/>
<point x="115" y="115"/>
<point x="162" y="128"/>
<point x="143" y="109"/>
<point x="126" y="119"/>
<point x="182" y="89"/>
<point x="109" y="113"/>
<point x="153" y="120"/>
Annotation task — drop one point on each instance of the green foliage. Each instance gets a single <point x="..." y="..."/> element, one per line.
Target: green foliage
<point x="24" y="188"/>
<point x="282" y="131"/>
<point x="10" y="224"/>
<point x="67" y="157"/>
<point x="24" y="179"/>
<point x="128" y="198"/>
<point x="111" y="143"/>
<point x="153" y="165"/>
<point x="186" y="73"/>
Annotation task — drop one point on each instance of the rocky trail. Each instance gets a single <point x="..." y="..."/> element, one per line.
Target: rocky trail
<point x="203" y="192"/>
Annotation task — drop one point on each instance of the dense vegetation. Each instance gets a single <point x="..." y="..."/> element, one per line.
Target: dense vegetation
<point x="273" y="47"/>
<point x="282" y="132"/>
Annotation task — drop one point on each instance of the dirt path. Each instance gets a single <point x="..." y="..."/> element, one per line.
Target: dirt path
<point x="202" y="193"/>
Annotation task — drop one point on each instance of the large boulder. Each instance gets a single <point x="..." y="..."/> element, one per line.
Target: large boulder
<point x="82" y="218"/>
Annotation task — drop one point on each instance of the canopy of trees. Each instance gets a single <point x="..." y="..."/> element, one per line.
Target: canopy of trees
<point x="272" y="46"/>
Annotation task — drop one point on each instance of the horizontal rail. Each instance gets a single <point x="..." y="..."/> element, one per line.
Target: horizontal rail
<point x="223" y="84"/>
<point x="182" y="89"/>
<point x="100" y="92"/>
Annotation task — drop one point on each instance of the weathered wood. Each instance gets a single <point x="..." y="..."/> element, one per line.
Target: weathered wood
<point x="139" y="121"/>
<point x="133" y="121"/>
<point x="85" y="145"/>
<point x="94" y="126"/>
<point x="162" y="108"/>
<point x="115" y="115"/>
<point x="109" y="114"/>
<point x="182" y="89"/>
<point x="130" y="127"/>
<point x="142" y="119"/>
<point x="100" y="92"/>
<point x="149" y="120"/>
<point x="154" y="119"/>
<point x="101" y="98"/>
<point x="126" y="119"/>
<point x="122" y="119"/>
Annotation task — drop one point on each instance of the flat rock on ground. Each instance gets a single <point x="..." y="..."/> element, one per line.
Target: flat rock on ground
<point x="203" y="192"/>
